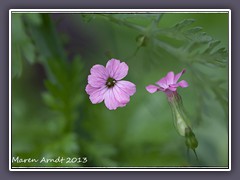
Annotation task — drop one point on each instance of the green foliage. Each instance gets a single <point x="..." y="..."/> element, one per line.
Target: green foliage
<point x="22" y="45"/>
<point x="63" y="92"/>
<point x="193" y="47"/>
<point x="62" y="95"/>
<point x="63" y="122"/>
<point x="47" y="40"/>
<point x="63" y="86"/>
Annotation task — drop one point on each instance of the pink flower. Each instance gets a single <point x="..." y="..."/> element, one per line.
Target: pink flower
<point x="105" y="83"/>
<point x="168" y="84"/>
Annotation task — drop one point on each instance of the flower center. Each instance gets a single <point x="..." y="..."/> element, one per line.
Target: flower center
<point x="110" y="82"/>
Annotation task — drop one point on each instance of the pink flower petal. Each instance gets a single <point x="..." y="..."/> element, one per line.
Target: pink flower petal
<point x="122" y="105"/>
<point x="96" y="81"/>
<point x="98" y="76"/>
<point x="121" y="96"/>
<point x="97" y="96"/>
<point x="152" y="88"/>
<point x="116" y="69"/>
<point x="128" y="87"/>
<point x="183" y="84"/>
<point x="162" y="83"/>
<point x="169" y="78"/>
<point x="110" y="100"/>
<point x="176" y="78"/>
<point x="121" y="72"/>
<point x="89" y="89"/>
<point x="112" y="66"/>
<point x="172" y="88"/>
<point x="99" y="71"/>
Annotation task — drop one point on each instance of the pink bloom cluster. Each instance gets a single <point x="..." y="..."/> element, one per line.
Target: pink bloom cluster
<point x="168" y="84"/>
<point x="106" y="84"/>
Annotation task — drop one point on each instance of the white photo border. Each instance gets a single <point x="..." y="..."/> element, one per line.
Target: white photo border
<point x="228" y="168"/>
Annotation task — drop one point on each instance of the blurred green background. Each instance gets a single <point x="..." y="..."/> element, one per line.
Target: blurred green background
<point x="53" y="117"/>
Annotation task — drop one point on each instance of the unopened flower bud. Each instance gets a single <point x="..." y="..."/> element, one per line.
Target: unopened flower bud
<point x="179" y="116"/>
<point x="190" y="140"/>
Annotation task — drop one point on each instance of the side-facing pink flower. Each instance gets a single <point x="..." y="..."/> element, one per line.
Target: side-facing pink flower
<point x="168" y="83"/>
<point x="105" y="83"/>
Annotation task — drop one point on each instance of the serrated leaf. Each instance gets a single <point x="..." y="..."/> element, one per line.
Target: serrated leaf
<point x="194" y="30"/>
<point x="211" y="46"/>
<point x="221" y="55"/>
<point x="183" y="24"/>
<point x="199" y="37"/>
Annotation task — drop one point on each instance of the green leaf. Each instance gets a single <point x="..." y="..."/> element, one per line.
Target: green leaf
<point x="17" y="28"/>
<point x="22" y="46"/>
<point x="183" y="24"/>
<point x="29" y="52"/>
<point x="194" y="30"/>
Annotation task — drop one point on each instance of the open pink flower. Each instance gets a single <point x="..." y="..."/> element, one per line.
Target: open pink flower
<point x="105" y="83"/>
<point x="168" y="83"/>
